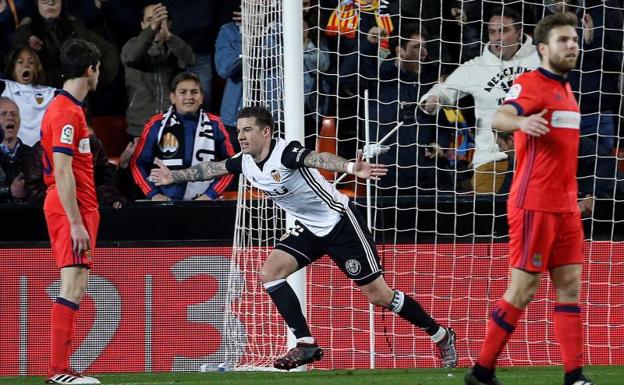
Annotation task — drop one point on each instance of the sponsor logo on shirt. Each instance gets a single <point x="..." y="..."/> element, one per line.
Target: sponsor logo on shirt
<point x="514" y="92"/>
<point x="566" y="119"/>
<point x="67" y="134"/>
<point x="83" y="146"/>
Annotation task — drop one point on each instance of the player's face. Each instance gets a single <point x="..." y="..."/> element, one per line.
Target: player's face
<point x="94" y="75"/>
<point x="25" y="69"/>
<point x="9" y="119"/>
<point x="49" y="9"/>
<point x="504" y="37"/>
<point x="562" y="49"/>
<point x="187" y="97"/>
<point x="251" y="136"/>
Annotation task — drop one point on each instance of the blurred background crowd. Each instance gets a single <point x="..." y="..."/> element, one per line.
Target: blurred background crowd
<point x="172" y="75"/>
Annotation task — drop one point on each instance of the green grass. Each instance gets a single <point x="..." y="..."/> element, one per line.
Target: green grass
<point x="602" y="375"/>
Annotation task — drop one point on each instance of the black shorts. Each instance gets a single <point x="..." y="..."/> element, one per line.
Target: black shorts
<point x="349" y="244"/>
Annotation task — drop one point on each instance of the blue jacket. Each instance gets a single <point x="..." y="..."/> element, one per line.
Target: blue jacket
<point x="228" y="64"/>
<point x="148" y="149"/>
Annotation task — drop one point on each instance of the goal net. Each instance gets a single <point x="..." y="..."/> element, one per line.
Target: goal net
<point x="439" y="218"/>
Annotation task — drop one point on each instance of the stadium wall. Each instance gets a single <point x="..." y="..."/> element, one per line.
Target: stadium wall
<point x="162" y="308"/>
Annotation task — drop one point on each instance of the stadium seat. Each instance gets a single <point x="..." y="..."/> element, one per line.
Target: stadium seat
<point x="111" y="130"/>
<point x="327" y="142"/>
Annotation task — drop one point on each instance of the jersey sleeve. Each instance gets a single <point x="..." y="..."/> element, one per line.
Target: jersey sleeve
<point x="524" y="95"/>
<point x="294" y="154"/>
<point x="64" y="129"/>
<point x="234" y="164"/>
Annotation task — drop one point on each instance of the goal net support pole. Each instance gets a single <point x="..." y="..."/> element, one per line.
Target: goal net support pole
<point x="293" y="117"/>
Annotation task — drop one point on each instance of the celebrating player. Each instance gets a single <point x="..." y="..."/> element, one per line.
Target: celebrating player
<point x="326" y="223"/>
<point x="545" y="229"/>
<point x="70" y="207"/>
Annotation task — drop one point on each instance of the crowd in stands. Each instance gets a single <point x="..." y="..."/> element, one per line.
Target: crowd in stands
<point x="172" y="71"/>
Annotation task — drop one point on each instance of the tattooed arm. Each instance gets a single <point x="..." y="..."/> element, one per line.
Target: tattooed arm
<point x="326" y="161"/>
<point x="203" y="171"/>
<point x="332" y="162"/>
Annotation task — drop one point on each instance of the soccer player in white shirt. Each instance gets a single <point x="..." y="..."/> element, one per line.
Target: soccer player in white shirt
<point x="325" y="223"/>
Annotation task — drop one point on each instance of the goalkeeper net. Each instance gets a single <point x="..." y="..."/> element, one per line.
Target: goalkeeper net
<point x="439" y="218"/>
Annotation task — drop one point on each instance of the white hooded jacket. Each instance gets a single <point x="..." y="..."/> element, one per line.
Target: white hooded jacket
<point x="487" y="78"/>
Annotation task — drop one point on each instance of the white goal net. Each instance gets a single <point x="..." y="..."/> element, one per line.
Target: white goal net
<point x="439" y="219"/>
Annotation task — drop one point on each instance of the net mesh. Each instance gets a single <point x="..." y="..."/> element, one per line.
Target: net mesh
<point x="439" y="241"/>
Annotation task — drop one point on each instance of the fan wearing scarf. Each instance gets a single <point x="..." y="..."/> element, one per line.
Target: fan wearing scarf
<point x="182" y="137"/>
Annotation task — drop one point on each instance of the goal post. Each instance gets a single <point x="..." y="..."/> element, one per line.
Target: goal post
<point x="293" y="116"/>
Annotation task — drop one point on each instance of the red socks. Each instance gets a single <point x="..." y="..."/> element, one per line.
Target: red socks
<point x="569" y="332"/>
<point x="62" y="325"/>
<point x="501" y="324"/>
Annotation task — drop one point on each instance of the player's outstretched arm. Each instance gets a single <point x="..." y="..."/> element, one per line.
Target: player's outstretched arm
<point x="506" y="119"/>
<point x="332" y="162"/>
<point x="162" y="176"/>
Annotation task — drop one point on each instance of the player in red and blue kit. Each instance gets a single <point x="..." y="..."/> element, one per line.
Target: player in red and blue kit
<point x="70" y="207"/>
<point x="545" y="230"/>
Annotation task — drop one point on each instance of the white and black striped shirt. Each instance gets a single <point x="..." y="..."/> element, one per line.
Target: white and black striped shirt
<point x="301" y="191"/>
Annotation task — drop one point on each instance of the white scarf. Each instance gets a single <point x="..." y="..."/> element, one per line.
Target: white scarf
<point x="203" y="147"/>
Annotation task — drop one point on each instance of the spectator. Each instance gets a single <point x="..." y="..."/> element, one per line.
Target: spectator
<point x="364" y="36"/>
<point x="596" y="82"/>
<point x="128" y="187"/>
<point x="358" y="32"/>
<point x="487" y="78"/>
<point x="416" y="156"/>
<point x="460" y="37"/>
<point x="11" y="14"/>
<point x="24" y="76"/>
<point x="184" y="136"/>
<point x="315" y="63"/>
<point x="113" y="19"/>
<point x="49" y="28"/>
<point x="194" y="24"/>
<point x="151" y="60"/>
<point x="13" y="154"/>
<point x="228" y="63"/>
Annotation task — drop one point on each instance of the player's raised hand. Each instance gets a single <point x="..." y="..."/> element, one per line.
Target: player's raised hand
<point x="160" y="176"/>
<point x="534" y="125"/>
<point x="361" y="169"/>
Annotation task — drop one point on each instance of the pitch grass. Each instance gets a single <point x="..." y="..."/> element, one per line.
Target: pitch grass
<point x="602" y="375"/>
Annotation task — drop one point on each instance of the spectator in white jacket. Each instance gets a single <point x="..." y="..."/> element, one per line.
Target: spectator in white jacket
<point x="508" y="54"/>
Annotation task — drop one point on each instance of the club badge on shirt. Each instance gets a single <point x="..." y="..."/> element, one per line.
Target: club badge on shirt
<point x="67" y="134"/>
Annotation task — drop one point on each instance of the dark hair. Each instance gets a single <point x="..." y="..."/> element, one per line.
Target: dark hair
<point x="9" y="70"/>
<point x="182" y="76"/>
<point x="406" y="32"/>
<point x="547" y="24"/>
<point x="150" y="3"/>
<point x="261" y="113"/>
<point x="509" y="12"/>
<point x="76" y="56"/>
